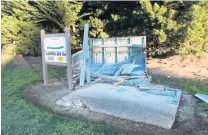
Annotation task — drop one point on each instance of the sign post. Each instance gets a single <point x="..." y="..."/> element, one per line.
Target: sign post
<point x="45" y="68"/>
<point x="56" y="50"/>
<point x="69" y="59"/>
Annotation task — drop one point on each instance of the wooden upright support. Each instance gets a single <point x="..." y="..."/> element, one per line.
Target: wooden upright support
<point x="84" y="55"/>
<point x="45" y="71"/>
<point x="89" y="56"/>
<point x="69" y="59"/>
<point x="103" y="57"/>
<point x="116" y="55"/>
<point x="144" y="53"/>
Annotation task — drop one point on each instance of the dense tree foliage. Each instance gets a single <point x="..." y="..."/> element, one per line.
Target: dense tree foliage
<point x="196" y="34"/>
<point x="170" y="27"/>
<point x="19" y="31"/>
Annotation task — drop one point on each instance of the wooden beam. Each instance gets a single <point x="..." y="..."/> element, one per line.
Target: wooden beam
<point x="112" y="46"/>
<point x="103" y="57"/>
<point x="84" y="55"/>
<point x="45" y="71"/>
<point x="116" y="56"/>
<point x="88" y="64"/>
<point x="107" y="77"/>
<point x="69" y="59"/>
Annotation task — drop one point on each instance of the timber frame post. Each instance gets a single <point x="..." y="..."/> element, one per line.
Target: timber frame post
<point x="85" y="65"/>
<point x="44" y="65"/>
<point x="69" y="59"/>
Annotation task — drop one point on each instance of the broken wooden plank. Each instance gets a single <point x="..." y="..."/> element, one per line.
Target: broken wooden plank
<point x="116" y="78"/>
<point x="151" y="87"/>
<point x="107" y="77"/>
<point x="202" y="97"/>
<point x="130" y="77"/>
<point x="127" y="69"/>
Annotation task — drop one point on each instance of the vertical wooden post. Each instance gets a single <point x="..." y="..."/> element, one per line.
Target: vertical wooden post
<point x="84" y="51"/>
<point x="69" y="58"/>
<point x="116" y="58"/>
<point x="91" y="53"/>
<point x="88" y="63"/>
<point x="103" y="57"/>
<point x="144" y="52"/>
<point x="45" y="71"/>
<point x="128" y="49"/>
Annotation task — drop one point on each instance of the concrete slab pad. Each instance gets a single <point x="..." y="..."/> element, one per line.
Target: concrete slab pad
<point x="125" y="102"/>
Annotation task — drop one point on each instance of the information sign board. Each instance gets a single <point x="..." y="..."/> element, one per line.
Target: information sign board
<point x="55" y="49"/>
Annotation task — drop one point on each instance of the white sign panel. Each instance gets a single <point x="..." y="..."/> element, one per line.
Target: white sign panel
<point x="55" y="49"/>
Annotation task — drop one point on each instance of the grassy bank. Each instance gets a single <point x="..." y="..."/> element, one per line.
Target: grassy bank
<point x="20" y="117"/>
<point x="193" y="86"/>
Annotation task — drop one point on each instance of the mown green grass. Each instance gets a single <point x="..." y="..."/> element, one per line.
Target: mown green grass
<point x="19" y="117"/>
<point x="193" y="86"/>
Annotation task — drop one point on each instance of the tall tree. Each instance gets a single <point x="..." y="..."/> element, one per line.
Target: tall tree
<point x="169" y="26"/>
<point x="163" y="27"/>
<point x="62" y="14"/>
<point x="19" y="30"/>
<point x="196" y="34"/>
<point x="96" y="21"/>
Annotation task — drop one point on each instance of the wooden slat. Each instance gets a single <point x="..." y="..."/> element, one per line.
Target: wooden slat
<point x="103" y="58"/>
<point x="88" y="64"/>
<point x="114" y="45"/>
<point x="116" y="57"/>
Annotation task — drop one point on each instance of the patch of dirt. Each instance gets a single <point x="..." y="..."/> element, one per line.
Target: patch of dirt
<point x="188" y="121"/>
<point x="176" y="66"/>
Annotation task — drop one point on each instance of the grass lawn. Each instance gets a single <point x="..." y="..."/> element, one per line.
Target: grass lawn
<point x="20" y="117"/>
<point x="191" y="85"/>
